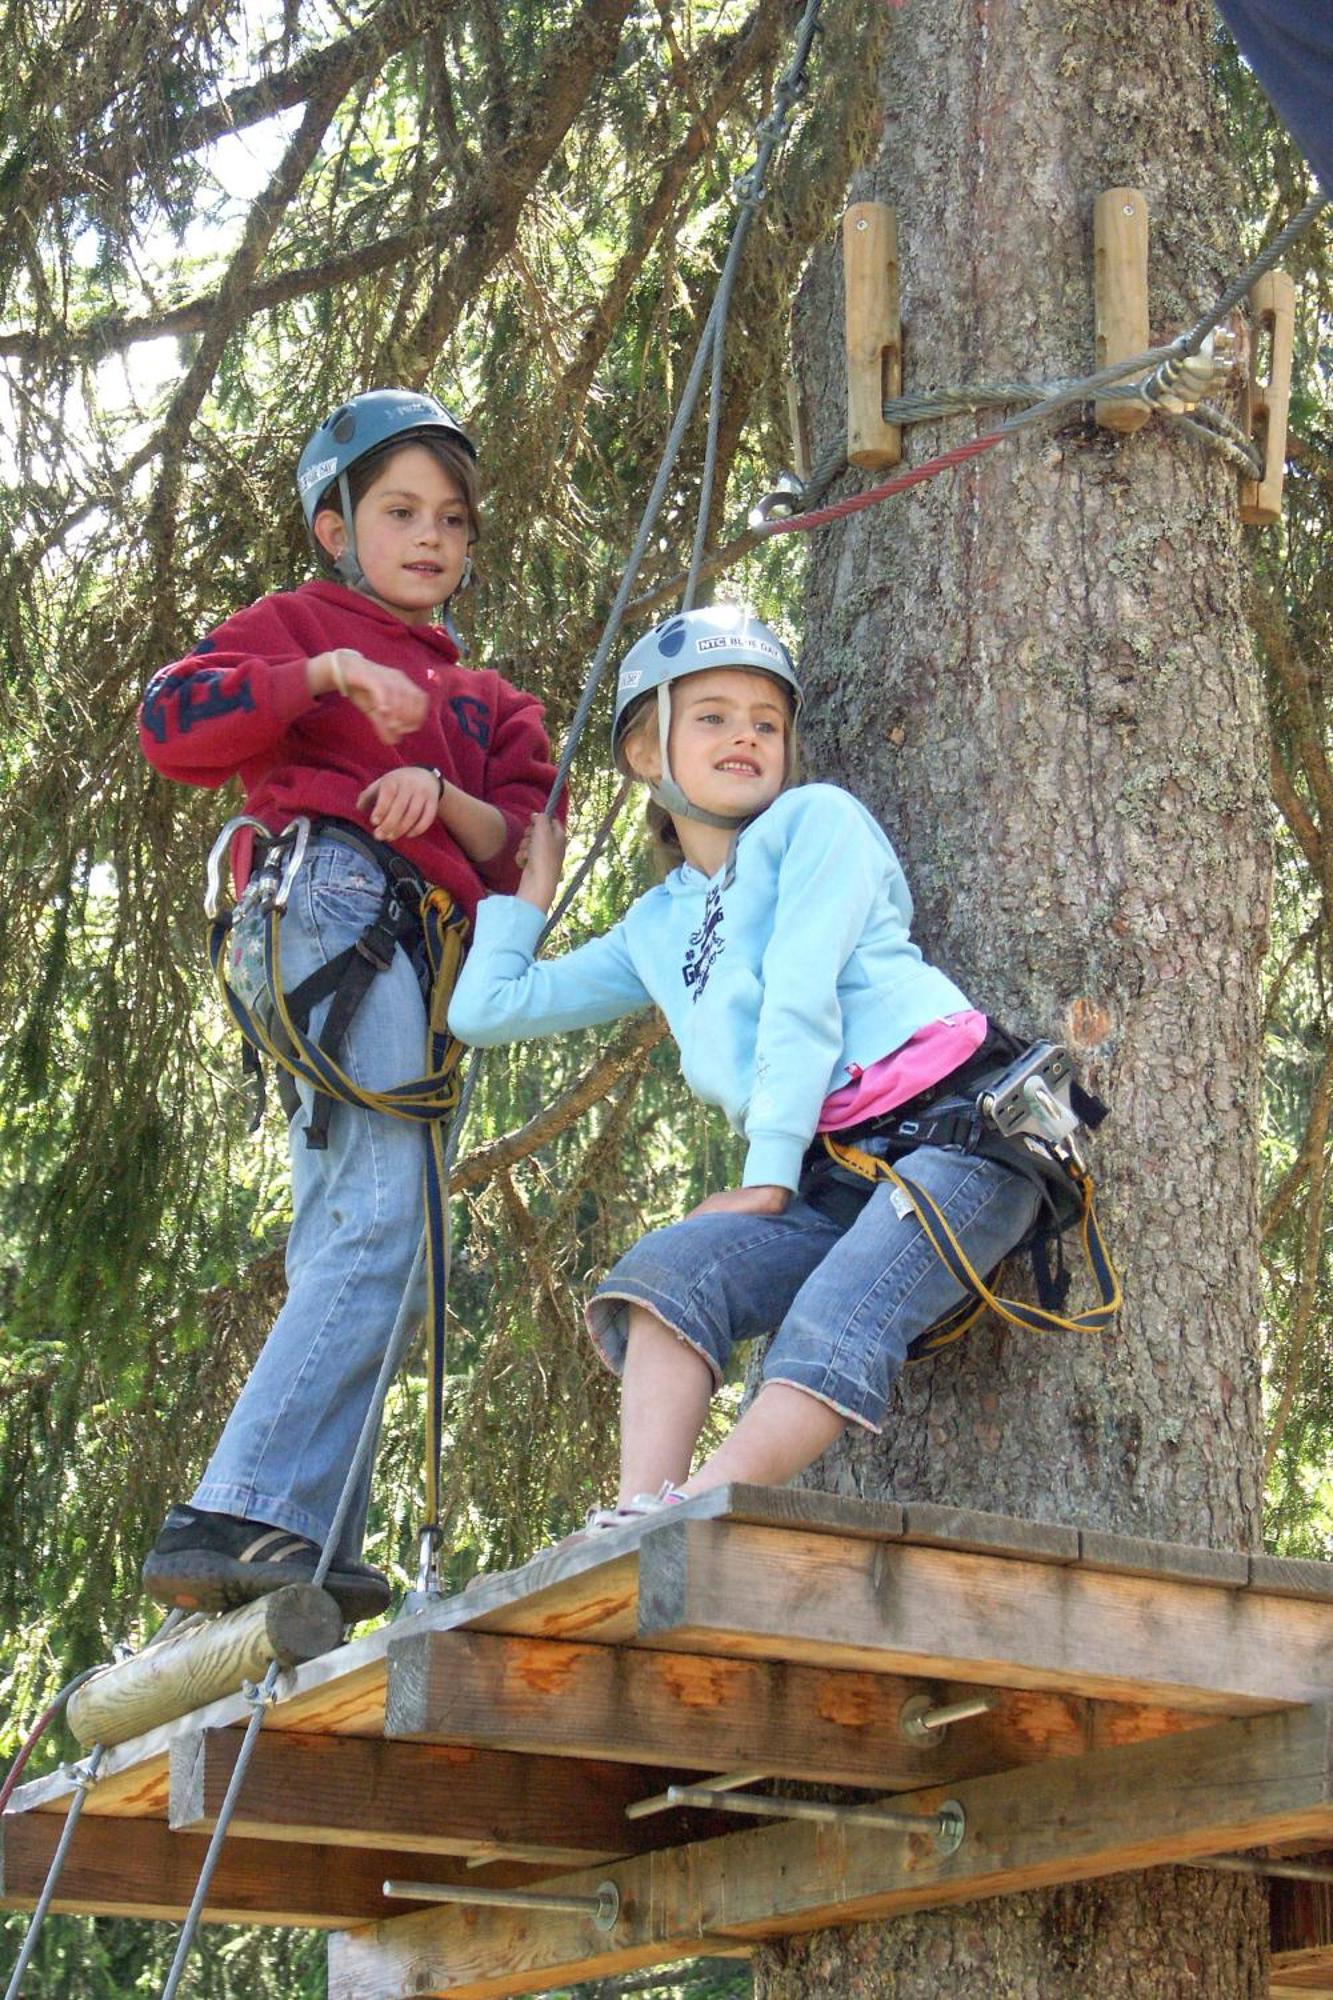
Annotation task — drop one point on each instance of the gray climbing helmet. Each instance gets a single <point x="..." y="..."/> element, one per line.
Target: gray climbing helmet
<point x="350" y="433"/>
<point x="690" y="642"/>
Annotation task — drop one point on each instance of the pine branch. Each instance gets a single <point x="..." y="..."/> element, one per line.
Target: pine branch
<point x="752" y="46"/>
<point x="265" y="216"/>
<point x="539" y="126"/>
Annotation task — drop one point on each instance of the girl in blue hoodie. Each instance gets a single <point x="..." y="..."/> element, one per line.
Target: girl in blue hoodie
<point x="779" y="949"/>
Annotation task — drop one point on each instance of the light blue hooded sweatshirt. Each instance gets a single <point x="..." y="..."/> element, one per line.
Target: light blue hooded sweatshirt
<point x="780" y="979"/>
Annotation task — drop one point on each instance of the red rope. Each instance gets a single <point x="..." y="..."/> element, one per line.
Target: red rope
<point x="34" y="1737"/>
<point x="818" y="517"/>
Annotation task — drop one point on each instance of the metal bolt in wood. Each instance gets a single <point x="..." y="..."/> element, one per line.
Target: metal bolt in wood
<point x="603" y="1908"/>
<point x="947" y="1827"/>
<point x="920" y="1721"/>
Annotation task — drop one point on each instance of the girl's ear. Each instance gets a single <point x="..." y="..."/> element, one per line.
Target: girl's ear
<point x="330" y="531"/>
<point x="643" y="753"/>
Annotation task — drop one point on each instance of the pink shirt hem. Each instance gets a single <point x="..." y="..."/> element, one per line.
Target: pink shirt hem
<point x="932" y="1052"/>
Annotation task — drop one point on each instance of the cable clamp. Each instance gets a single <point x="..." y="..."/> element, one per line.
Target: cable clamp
<point x="82" y="1776"/>
<point x="1183" y="379"/>
<point x="259" y="1695"/>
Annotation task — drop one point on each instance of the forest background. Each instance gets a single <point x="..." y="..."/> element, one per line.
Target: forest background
<point x="215" y="222"/>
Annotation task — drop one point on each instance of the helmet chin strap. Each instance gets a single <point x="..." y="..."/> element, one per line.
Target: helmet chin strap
<point x="667" y="793"/>
<point x="347" y="564"/>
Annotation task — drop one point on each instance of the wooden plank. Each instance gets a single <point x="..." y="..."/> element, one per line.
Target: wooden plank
<point x="139" y="1868"/>
<point x="342" y="1791"/>
<point x="1128" y="1555"/>
<point x="710" y="1714"/>
<point x="1236" y="1784"/>
<point x="989" y="1534"/>
<point x="1292" y="1576"/>
<point x="896" y="1608"/>
<point x="1297" y="1973"/>
<point x="585" y="1593"/>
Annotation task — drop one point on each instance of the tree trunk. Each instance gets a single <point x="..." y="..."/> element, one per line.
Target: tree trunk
<point x="1036" y="671"/>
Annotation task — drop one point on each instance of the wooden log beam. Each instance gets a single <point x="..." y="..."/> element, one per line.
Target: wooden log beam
<point x="710" y="1714"/>
<point x="139" y="1868"/>
<point x="347" y="1791"/>
<point x="1232" y="1785"/>
<point x="894" y="1607"/>
<point x="204" y="1660"/>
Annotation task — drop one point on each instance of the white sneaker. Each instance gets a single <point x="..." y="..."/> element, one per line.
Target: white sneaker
<point x="601" y="1518"/>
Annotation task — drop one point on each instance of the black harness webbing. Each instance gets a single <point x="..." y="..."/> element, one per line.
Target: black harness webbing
<point x="428" y="1100"/>
<point x="841" y="1173"/>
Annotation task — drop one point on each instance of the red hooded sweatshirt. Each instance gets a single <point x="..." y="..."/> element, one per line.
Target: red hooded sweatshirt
<point x="238" y="706"/>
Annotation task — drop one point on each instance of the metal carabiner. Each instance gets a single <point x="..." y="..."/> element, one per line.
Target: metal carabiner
<point x="215" y="884"/>
<point x="300" y="827"/>
<point x="784" y="499"/>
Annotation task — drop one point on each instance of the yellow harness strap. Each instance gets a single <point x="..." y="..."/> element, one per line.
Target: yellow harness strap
<point x="1033" y="1319"/>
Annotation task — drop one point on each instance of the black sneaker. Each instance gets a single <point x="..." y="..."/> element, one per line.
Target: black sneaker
<point x="213" y="1562"/>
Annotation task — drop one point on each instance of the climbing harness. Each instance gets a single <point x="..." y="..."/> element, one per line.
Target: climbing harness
<point x="1027" y="1115"/>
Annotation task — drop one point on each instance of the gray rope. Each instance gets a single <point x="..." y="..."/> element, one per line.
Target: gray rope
<point x="259" y="1699"/>
<point x="1238" y="290"/>
<point x="965" y="400"/>
<point x="750" y="193"/>
<point x="85" y="1783"/>
<point x="1246" y="461"/>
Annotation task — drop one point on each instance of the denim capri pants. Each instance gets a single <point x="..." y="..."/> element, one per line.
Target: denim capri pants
<point x="843" y="1305"/>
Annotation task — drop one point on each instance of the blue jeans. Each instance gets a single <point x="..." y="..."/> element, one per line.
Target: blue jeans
<point x="357" y="1212"/>
<point x="843" y="1306"/>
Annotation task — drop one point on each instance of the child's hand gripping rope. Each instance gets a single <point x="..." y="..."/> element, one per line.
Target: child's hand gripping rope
<point x="541" y="855"/>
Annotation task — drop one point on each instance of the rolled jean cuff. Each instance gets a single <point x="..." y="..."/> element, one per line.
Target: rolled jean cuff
<point x="607" y="1320"/>
<point x="837" y="1392"/>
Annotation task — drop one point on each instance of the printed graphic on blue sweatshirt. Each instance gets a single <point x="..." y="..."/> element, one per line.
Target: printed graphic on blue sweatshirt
<point x="705" y="946"/>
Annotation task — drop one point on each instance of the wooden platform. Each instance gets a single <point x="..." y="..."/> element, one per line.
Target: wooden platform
<point x="1150" y="1704"/>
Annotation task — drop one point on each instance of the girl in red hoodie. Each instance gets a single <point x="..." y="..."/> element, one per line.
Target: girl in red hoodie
<point x="344" y="701"/>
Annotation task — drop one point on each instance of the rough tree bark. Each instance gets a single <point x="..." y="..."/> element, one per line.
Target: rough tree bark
<point x="1037" y="672"/>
